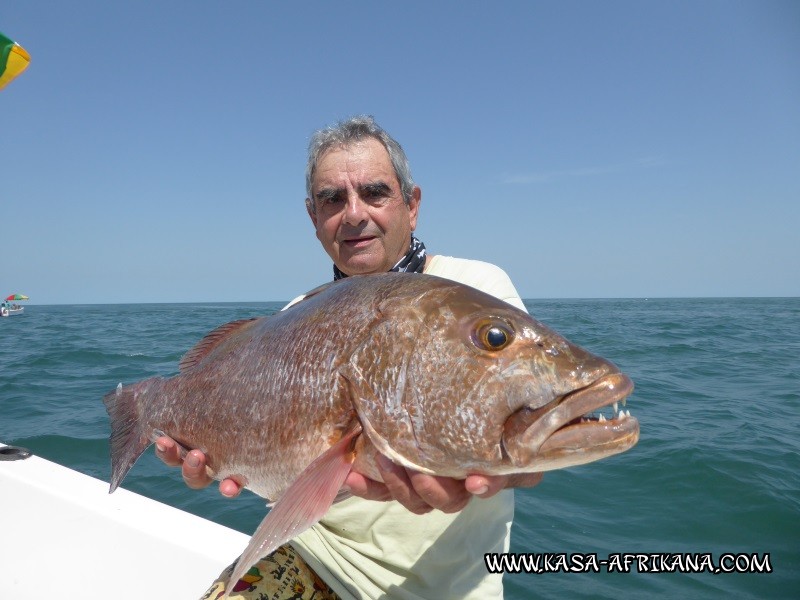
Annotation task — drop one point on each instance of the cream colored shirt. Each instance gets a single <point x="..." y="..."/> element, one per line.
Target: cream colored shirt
<point x="368" y="550"/>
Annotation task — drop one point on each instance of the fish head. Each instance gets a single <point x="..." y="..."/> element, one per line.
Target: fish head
<point x="455" y="382"/>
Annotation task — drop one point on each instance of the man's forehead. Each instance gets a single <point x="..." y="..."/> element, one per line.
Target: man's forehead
<point x="357" y="163"/>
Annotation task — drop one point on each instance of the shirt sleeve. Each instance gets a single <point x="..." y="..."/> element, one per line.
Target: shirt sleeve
<point x="483" y="276"/>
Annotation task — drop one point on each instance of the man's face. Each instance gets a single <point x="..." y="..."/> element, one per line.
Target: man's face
<point x="361" y="218"/>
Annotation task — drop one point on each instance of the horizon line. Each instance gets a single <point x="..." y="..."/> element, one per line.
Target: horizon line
<point x="524" y="299"/>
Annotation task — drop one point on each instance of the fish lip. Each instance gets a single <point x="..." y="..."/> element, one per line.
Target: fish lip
<point x="580" y="438"/>
<point x="559" y="436"/>
<point x="601" y="393"/>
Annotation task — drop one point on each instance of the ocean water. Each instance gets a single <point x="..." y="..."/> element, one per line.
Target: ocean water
<point x="717" y="469"/>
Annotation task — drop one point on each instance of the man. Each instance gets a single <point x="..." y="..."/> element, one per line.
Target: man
<point x="364" y="205"/>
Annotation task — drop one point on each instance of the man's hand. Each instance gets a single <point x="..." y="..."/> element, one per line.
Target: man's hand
<point x="193" y="467"/>
<point x="418" y="492"/>
<point x="421" y="493"/>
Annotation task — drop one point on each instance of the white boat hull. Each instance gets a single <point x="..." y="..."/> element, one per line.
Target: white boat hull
<point x="64" y="536"/>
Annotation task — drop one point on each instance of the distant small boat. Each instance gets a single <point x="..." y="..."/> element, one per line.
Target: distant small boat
<point x="7" y="309"/>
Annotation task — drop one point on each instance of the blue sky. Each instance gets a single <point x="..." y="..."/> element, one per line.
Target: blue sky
<point x="155" y="151"/>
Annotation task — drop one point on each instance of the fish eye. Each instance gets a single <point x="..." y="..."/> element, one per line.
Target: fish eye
<point x="493" y="336"/>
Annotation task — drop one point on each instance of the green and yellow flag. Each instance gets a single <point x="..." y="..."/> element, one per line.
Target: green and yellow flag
<point x="13" y="60"/>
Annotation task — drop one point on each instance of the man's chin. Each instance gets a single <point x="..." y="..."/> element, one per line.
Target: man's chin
<point x="362" y="265"/>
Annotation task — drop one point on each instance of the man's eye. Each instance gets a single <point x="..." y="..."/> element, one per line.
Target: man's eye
<point x="329" y="200"/>
<point x="375" y="192"/>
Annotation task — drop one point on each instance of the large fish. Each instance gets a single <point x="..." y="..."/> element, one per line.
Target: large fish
<point x="435" y="375"/>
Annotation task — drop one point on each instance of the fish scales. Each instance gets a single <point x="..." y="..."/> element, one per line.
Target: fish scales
<point x="436" y="375"/>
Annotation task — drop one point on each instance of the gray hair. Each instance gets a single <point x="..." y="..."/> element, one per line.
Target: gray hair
<point x="350" y="131"/>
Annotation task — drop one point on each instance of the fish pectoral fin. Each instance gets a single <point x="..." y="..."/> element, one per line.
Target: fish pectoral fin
<point x="304" y="503"/>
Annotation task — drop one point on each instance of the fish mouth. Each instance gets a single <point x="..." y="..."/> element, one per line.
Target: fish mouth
<point x="570" y="431"/>
<point x="585" y="426"/>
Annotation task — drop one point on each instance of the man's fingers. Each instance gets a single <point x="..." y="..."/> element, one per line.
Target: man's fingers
<point x="366" y="488"/>
<point x="400" y="487"/>
<point x="167" y="450"/>
<point x="193" y="467"/>
<point x="194" y="470"/>
<point x="484" y="486"/>
<point x="420" y="493"/>
<point x="229" y="488"/>
<point x="442" y="493"/>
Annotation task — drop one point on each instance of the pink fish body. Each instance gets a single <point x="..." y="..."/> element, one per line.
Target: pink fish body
<point x="435" y="375"/>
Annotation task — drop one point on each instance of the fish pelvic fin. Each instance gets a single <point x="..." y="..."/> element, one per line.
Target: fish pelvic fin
<point x="303" y="503"/>
<point x="129" y="438"/>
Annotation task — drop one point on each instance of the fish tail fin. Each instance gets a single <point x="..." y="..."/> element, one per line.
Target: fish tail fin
<point x="129" y="439"/>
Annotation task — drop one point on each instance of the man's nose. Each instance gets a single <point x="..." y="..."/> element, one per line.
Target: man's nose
<point x="355" y="211"/>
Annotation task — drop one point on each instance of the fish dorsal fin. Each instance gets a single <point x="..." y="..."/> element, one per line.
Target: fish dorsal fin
<point x="303" y="503"/>
<point x="207" y="345"/>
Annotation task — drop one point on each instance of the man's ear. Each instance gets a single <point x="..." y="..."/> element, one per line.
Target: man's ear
<point x="311" y="213"/>
<point x="413" y="206"/>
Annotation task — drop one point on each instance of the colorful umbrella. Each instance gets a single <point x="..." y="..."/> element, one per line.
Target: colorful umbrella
<point x="17" y="297"/>
<point x="13" y="60"/>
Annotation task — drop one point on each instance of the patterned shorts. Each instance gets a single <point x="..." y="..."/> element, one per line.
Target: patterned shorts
<point x="282" y="575"/>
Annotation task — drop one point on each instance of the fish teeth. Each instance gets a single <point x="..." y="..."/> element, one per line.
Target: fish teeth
<point x="622" y="415"/>
<point x="616" y="407"/>
<point x="602" y="419"/>
<point x="624" y="401"/>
